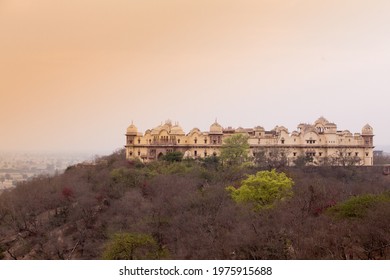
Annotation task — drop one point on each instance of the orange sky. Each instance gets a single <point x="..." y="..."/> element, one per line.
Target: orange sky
<point x="74" y="74"/>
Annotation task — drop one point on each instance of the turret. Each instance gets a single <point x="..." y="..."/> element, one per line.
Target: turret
<point x="368" y="135"/>
<point x="131" y="133"/>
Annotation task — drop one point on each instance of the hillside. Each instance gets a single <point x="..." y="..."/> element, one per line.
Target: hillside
<point x="182" y="210"/>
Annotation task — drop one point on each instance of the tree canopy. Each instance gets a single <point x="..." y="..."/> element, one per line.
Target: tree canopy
<point x="131" y="246"/>
<point x="358" y="206"/>
<point x="173" y="156"/>
<point x="235" y="149"/>
<point x="263" y="189"/>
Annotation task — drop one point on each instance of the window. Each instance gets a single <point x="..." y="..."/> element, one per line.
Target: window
<point x="139" y="153"/>
<point x="131" y="153"/>
<point x="294" y="154"/>
<point x="205" y="140"/>
<point x="196" y="153"/>
<point x="320" y="154"/>
<point x="366" y="154"/>
<point x="282" y="141"/>
<point x="356" y="154"/>
<point x="205" y="153"/>
<point x="139" y="140"/>
<point x="196" y="140"/>
<point x="178" y="141"/>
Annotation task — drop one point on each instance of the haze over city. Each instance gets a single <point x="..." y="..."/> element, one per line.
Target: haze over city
<point x="75" y="74"/>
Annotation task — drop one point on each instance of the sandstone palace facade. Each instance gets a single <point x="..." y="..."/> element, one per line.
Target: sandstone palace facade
<point x="320" y="141"/>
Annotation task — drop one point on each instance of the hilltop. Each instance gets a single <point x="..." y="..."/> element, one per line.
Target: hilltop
<point x="182" y="210"/>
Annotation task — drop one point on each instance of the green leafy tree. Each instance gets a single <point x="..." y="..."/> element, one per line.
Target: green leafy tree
<point x="132" y="246"/>
<point x="174" y="156"/>
<point x="358" y="206"/>
<point x="211" y="162"/>
<point x="235" y="149"/>
<point x="263" y="189"/>
<point x="126" y="176"/>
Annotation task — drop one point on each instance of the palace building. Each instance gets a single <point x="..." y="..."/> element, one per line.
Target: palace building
<point x="320" y="141"/>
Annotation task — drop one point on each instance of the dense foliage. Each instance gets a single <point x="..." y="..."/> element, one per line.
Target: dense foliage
<point x="263" y="189"/>
<point x="116" y="209"/>
<point x="130" y="246"/>
<point x="358" y="206"/>
<point x="235" y="149"/>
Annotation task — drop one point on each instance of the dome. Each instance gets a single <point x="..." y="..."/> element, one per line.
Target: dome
<point x="240" y="130"/>
<point x="281" y="128"/>
<point x="367" y="129"/>
<point x="132" y="130"/>
<point x="194" y="130"/>
<point x="167" y="125"/>
<point x="259" y="128"/>
<point x="310" y="128"/>
<point x="156" y="130"/>
<point x="216" y="128"/>
<point x="321" y="120"/>
<point x="177" y="130"/>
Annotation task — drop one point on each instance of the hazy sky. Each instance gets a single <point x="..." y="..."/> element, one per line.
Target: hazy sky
<point x="75" y="73"/>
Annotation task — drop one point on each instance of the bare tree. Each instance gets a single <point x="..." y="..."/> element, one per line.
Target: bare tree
<point x="271" y="158"/>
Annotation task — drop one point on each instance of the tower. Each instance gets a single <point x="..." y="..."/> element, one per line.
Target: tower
<point x="368" y="135"/>
<point x="131" y="133"/>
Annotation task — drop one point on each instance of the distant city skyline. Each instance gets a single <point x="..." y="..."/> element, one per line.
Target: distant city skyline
<point x="74" y="75"/>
